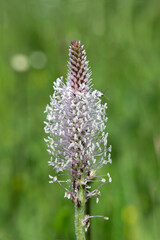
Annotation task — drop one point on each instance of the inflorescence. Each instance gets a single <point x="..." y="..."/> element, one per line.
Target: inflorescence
<point x="76" y="123"/>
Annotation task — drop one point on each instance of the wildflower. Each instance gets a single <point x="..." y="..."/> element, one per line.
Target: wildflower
<point x="76" y="122"/>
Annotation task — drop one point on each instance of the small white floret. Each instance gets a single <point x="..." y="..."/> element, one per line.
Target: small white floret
<point x="110" y="148"/>
<point x="103" y="180"/>
<point x="55" y="179"/>
<point x="65" y="195"/>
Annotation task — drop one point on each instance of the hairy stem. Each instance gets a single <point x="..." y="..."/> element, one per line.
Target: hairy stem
<point x="80" y="214"/>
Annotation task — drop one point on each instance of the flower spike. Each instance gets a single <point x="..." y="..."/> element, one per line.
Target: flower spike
<point x="75" y="125"/>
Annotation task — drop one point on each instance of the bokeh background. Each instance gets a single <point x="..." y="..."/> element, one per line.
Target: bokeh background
<point x="122" y="41"/>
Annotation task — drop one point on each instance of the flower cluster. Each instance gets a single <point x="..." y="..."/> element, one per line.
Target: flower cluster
<point x="76" y="122"/>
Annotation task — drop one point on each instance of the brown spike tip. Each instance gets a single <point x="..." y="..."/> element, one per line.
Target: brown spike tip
<point x="75" y="43"/>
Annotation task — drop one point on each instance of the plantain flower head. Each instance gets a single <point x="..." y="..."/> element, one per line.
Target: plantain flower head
<point x="75" y="125"/>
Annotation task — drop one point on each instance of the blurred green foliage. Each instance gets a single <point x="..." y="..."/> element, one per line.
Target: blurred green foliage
<point x="122" y="41"/>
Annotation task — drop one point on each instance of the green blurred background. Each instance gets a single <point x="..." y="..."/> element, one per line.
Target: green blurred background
<point x="122" y="41"/>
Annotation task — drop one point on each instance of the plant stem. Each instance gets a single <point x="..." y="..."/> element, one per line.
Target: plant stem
<point x="79" y="215"/>
<point x="88" y="212"/>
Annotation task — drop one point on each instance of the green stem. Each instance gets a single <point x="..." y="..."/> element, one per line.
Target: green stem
<point x="88" y="212"/>
<point x="79" y="215"/>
